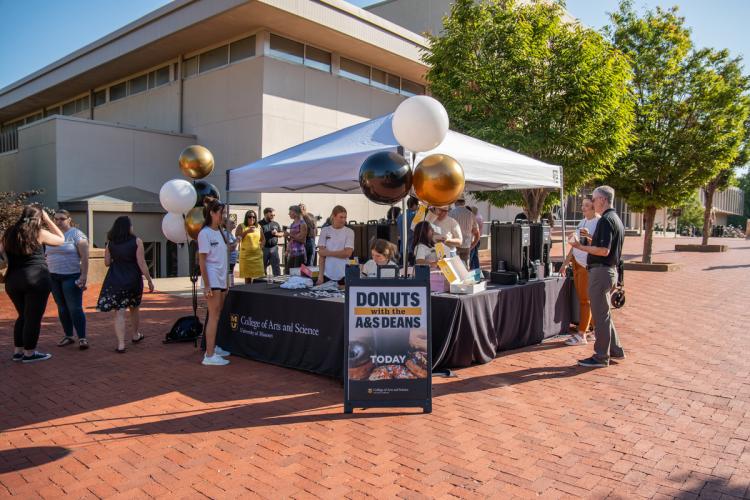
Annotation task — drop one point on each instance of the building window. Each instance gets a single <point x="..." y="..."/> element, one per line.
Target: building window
<point x="158" y="77"/>
<point x="354" y="70"/>
<point x="118" y="91"/>
<point x="190" y="67"/>
<point x="286" y="49"/>
<point x="52" y="111"/>
<point x="100" y="97"/>
<point x="33" y="118"/>
<point x="82" y="104"/>
<point x="318" y="59"/>
<point x="137" y="84"/>
<point x="242" y="49"/>
<point x="410" y="88"/>
<point x="385" y="81"/>
<point x="69" y="108"/>
<point x="213" y="59"/>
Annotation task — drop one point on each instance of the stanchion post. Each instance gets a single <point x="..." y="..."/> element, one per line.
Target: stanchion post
<point x="405" y="219"/>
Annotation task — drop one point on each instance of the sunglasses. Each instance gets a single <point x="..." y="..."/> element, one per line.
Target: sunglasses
<point x="61" y="218"/>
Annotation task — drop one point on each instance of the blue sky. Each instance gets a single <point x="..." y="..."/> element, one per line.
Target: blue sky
<point x="38" y="32"/>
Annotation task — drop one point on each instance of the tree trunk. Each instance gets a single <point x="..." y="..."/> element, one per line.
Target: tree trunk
<point x="649" y="215"/>
<point x="710" y="190"/>
<point x="534" y="200"/>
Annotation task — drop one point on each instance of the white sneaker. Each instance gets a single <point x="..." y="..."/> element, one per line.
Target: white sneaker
<point x="221" y="352"/>
<point x="576" y="339"/>
<point x="214" y="360"/>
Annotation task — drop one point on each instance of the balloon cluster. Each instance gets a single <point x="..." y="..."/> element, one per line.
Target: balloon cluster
<point x="419" y="124"/>
<point x="183" y="200"/>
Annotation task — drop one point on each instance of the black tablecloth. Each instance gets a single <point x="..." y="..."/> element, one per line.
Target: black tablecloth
<point x="274" y="325"/>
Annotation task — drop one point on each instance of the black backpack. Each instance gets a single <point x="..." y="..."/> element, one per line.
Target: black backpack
<point x="187" y="328"/>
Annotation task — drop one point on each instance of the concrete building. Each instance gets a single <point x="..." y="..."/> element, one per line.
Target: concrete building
<point x="101" y="129"/>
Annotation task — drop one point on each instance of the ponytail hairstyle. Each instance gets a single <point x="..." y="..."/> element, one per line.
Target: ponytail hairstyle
<point x="22" y="238"/>
<point x="213" y="205"/>
<point x="210" y="205"/>
<point x="384" y="248"/>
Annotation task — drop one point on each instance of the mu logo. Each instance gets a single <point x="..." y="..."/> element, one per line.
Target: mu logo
<point x="234" y="321"/>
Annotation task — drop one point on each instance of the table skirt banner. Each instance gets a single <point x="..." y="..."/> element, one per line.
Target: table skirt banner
<point x="273" y="325"/>
<point x="284" y="327"/>
<point x="478" y="327"/>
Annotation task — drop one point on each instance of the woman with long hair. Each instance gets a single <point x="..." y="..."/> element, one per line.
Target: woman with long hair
<point x="252" y="242"/>
<point x="68" y="266"/>
<point x="122" y="289"/>
<point x="214" y="264"/>
<point x="27" y="279"/>
<point x="335" y="247"/>
<point x="296" y="236"/>
<point x="424" y="246"/>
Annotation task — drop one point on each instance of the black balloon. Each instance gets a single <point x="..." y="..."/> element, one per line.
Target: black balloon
<point x="385" y="178"/>
<point x="203" y="189"/>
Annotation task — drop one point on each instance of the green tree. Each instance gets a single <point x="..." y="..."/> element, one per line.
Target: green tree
<point x="520" y="76"/>
<point x="689" y="112"/>
<point x="726" y="177"/>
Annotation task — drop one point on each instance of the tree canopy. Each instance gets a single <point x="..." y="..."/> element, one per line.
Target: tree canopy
<point x="520" y="76"/>
<point x="690" y="108"/>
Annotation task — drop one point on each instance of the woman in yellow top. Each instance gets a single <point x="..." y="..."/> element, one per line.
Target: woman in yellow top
<point x="251" y="241"/>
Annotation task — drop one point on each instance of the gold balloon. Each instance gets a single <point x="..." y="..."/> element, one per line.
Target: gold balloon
<point x="194" y="222"/>
<point x="196" y="162"/>
<point x="438" y="180"/>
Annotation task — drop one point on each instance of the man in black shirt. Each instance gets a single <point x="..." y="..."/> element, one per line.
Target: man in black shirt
<point x="604" y="252"/>
<point x="271" y="232"/>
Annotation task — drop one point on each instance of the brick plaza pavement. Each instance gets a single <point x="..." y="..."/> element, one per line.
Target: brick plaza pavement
<point x="672" y="420"/>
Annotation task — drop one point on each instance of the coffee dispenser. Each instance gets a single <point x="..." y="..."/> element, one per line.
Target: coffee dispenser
<point x="540" y="246"/>
<point x="510" y="243"/>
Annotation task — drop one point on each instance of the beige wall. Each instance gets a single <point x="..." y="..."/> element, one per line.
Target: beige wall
<point x="93" y="157"/>
<point x="33" y="166"/>
<point x="223" y="108"/>
<point x="300" y="104"/>
<point x="418" y="16"/>
<point x="157" y="108"/>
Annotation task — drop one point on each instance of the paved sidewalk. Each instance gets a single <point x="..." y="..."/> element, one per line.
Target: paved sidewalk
<point x="672" y="420"/>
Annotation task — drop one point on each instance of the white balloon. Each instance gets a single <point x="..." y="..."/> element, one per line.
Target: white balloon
<point x="420" y="123"/>
<point x="178" y="196"/>
<point x="173" y="227"/>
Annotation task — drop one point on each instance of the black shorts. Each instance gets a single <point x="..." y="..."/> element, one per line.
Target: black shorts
<point x="342" y="281"/>
<point x="214" y="289"/>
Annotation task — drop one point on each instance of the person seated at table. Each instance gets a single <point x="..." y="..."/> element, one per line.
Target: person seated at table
<point x="335" y="247"/>
<point x="383" y="253"/>
<point x="295" y="237"/>
<point x="424" y="246"/>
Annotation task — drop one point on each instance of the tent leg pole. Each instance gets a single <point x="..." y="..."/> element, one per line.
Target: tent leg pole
<point x="404" y="237"/>
<point x="562" y="218"/>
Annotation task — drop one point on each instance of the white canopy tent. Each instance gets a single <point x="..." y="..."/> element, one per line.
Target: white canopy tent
<point x="330" y="164"/>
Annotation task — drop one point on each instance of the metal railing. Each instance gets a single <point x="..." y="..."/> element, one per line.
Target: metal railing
<point x="8" y="140"/>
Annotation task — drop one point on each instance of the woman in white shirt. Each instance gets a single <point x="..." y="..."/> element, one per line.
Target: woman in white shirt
<point x="383" y="253"/>
<point x="214" y="265"/>
<point x="424" y="246"/>
<point x="335" y="247"/>
<point x="585" y="229"/>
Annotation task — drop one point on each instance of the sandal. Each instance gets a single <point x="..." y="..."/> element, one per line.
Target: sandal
<point x="119" y="351"/>
<point x="83" y="344"/>
<point x="138" y="338"/>
<point x="65" y="341"/>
